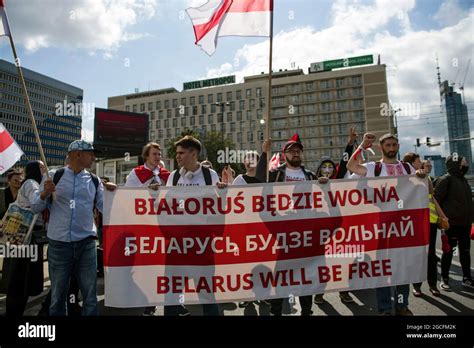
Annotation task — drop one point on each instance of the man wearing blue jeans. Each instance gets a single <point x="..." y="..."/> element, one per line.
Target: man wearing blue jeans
<point x="71" y="231"/>
<point x="388" y="166"/>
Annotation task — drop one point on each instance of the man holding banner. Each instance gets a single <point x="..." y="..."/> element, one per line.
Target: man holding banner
<point x="388" y="166"/>
<point x="291" y="170"/>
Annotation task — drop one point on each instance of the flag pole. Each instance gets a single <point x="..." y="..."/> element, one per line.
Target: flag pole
<point x="25" y="94"/>
<point x="269" y="102"/>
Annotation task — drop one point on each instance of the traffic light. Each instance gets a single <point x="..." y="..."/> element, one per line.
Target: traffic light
<point x="418" y="142"/>
<point x="428" y="141"/>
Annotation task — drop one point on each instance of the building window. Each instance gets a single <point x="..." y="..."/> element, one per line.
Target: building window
<point x="356" y="80"/>
<point x="232" y="106"/>
<point x="232" y="127"/>
<point x="142" y="107"/>
<point x="213" y="108"/>
<point x="239" y="137"/>
<point x="210" y="98"/>
<point x="160" y="114"/>
<point x="219" y="97"/>
<point x="259" y="92"/>
<point x="229" y="96"/>
<point x="210" y="119"/>
<point x="167" y="123"/>
<point x="339" y="82"/>
<point x="239" y="115"/>
<point x="249" y="115"/>
<point x="192" y="101"/>
<point x="175" y="122"/>
<point x="195" y="110"/>
<point x="158" y="124"/>
<point x="167" y="104"/>
<point x="259" y="114"/>
<point x="192" y="120"/>
<point x="183" y="101"/>
<point x="252" y="104"/>
<point x="152" y="115"/>
<point x="158" y="105"/>
<point x="127" y="108"/>
<point x="229" y="117"/>
<point x="238" y="94"/>
<point x="204" y="109"/>
<point x="134" y="108"/>
<point x="201" y="99"/>
<point x="248" y="93"/>
<point x="241" y="104"/>
<point x="201" y="119"/>
<point x="168" y="113"/>
<point x="357" y="103"/>
<point x="213" y="127"/>
<point x="175" y="103"/>
<point x="341" y="93"/>
<point x="183" y="121"/>
<point x="150" y="106"/>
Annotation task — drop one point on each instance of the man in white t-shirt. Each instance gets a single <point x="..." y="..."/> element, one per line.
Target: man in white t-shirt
<point x="387" y="166"/>
<point x="151" y="173"/>
<point x="290" y="170"/>
<point x="192" y="173"/>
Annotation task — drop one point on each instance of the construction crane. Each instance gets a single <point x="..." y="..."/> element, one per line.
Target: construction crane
<point x="461" y="85"/>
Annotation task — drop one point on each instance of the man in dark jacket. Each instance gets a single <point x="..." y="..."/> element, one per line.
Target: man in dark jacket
<point x="453" y="193"/>
<point x="290" y="170"/>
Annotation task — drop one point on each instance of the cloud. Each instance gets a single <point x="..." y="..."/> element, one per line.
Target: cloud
<point x="358" y="29"/>
<point x="449" y="13"/>
<point x="78" y="24"/>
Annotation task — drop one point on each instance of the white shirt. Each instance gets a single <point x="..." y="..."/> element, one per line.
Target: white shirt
<point x="196" y="179"/>
<point x="294" y="175"/>
<point x="239" y="180"/>
<point x="387" y="169"/>
<point x="27" y="194"/>
<point x="133" y="181"/>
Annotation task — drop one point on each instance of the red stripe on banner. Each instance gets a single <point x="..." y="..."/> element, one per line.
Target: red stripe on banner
<point x="251" y="6"/>
<point x="5" y="140"/>
<point x="1" y="3"/>
<point x="201" y="30"/>
<point x="115" y="252"/>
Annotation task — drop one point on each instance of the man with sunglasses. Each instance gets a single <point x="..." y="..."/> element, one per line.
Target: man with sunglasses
<point x="290" y="170"/>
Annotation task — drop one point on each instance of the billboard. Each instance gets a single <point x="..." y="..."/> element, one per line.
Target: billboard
<point x="118" y="133"/>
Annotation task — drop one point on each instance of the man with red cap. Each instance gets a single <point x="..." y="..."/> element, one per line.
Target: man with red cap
<point x="290" y="170"/>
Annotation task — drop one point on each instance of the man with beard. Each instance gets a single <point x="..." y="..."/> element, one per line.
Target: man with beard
<point x="290" y="170"/>
<point x="388" y="166"/>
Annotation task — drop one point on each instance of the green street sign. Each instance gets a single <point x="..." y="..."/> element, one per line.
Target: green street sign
<point x="209" y="83"/>
<point x="341" y="63"/>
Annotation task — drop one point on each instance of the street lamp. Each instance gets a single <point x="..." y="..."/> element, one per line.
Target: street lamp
<point x="222" y="105"/>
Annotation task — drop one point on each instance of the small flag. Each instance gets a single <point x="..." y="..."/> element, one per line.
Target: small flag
<point x="4" y="28"/>
<point x="229" y="18"/>
<point x="10" y="152"/>
<point x="274" y="162"/>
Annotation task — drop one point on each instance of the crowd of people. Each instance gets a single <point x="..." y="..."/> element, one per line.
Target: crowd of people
<point x="70" y="199"/>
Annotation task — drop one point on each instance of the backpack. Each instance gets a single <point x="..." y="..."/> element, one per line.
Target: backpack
<point x="378" y="168"/>
<point x="60" y="172"/>
<point x="205" y="171"/>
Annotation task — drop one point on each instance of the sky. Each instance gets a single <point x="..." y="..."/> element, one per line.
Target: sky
<point x="112" y="47"/>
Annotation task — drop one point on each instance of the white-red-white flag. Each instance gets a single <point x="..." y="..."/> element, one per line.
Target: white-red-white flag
<point x="229" y="18"/>
<point x="10" y="152"/>
<point x="4" y="28"/>
<point x="274" y="161"/>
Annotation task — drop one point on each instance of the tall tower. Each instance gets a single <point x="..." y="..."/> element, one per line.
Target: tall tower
<point x="458" y="121"/>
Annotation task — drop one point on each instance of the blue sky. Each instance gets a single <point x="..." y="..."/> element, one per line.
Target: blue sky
<point x="111" y="47"/>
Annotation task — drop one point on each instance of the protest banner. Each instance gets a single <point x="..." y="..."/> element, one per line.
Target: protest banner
<point x="208" y="245"/>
